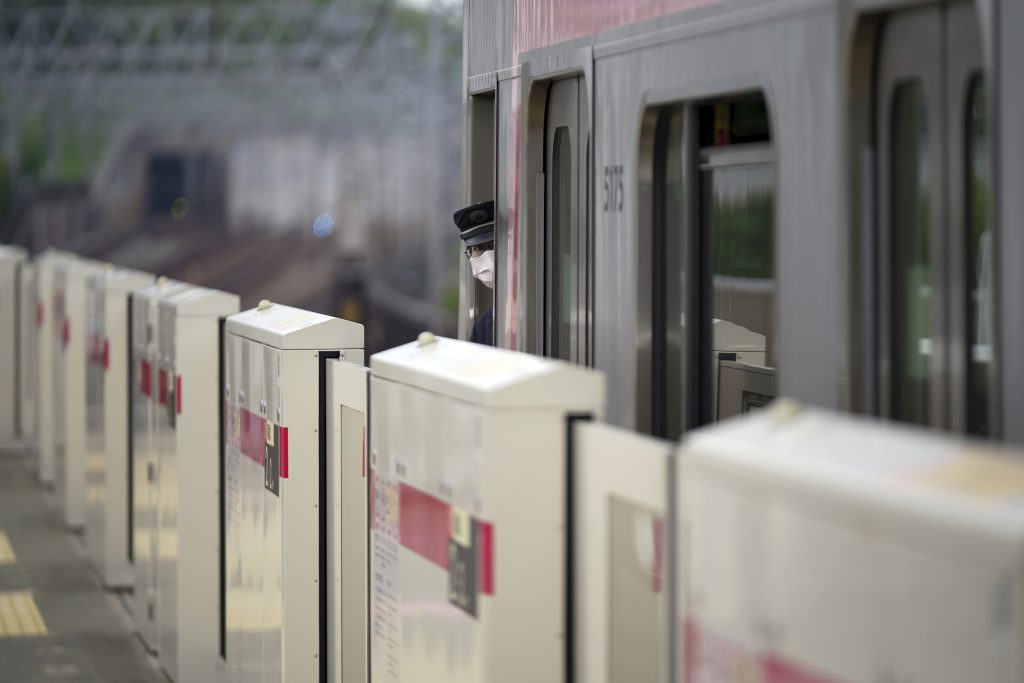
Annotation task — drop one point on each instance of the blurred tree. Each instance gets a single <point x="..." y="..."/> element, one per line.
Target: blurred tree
<point x="5" y="188"/>
<point x="33" y="146"/>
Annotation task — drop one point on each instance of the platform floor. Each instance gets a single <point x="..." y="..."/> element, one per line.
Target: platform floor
<point x="57" y="624"/>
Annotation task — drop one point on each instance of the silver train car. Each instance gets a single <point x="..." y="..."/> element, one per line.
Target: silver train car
<point x="720" y="201"/>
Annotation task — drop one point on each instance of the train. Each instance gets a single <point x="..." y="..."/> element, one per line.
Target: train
<point x="835" y="179"/>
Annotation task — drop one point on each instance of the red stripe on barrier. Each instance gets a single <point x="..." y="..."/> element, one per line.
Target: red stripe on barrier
<point x="778" y="670"/>
<point x="161" y="383"/>
<point x="485" y="557"/>
<point x="66" y="332"/>
<point x="146" y="378"/>
<point x="659" y="552"/>
<point x="226" y="432"/>
<point x="177" y="394"/>
<point x="424" y="524"/>
<point x="707" y="653"/>
<point x="424" y="527"/>
<point x="283" y="452"/>
<point x="254" y="436"/>
<point x="373" y="497"/>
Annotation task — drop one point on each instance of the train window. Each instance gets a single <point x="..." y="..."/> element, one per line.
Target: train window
<point x="561" y="281"/>
<point x="738" y="184"/>
<point x="567" y="317"/>
<point x="669" y="279"/>
<point x="979" y="263"/>
<point x="477" y="298"/>
<point x="934" y="313"/>
<point x="911" y="264"/>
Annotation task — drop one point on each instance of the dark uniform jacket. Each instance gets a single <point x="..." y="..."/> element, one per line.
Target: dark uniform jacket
<point x="483" y="328"/>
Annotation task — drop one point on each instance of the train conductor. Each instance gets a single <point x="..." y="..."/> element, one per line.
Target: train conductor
<point x="476" y="228"/>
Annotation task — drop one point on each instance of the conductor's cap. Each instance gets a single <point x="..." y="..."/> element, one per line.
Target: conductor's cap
<point x="476" y="223"/>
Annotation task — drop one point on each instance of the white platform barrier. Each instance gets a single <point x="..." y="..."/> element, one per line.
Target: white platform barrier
<point x="188" y="483"/>
<point x="107" y="435"/>
<point x="621" y="483"/>
<point x="821" y="547"/>
<point x="146" y="400"/>
<point x="12" y="261"/>
<point x="276" y="505"/>
<point x="48" y="322"/>
<point x="468" y="479"/>
<point x="347" y="523"/>
<point x="28" y="362"/>
<point x="70" y="346"/>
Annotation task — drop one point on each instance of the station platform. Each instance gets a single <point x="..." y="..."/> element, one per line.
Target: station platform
<point x="57" y="623"/>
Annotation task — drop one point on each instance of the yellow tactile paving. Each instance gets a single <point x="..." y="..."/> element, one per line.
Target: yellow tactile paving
<point x="19" y="615"/>
<point x="6" y="551"/>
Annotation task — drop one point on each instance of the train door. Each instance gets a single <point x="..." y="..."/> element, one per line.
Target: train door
<point x="934" y="321"/>
<point x="568" y="246"/>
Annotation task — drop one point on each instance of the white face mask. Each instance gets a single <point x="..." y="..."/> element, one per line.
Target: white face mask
<point x="483" y="267"/>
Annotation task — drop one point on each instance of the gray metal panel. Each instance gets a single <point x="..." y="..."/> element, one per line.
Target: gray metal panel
<point x="505" y="233"/>
<point x="1009" y="152"/>
<point x="487" y="36"/>
<point x="964" y="61"/>
<point x="810" y="233"/>
<point x="903" y="61"/>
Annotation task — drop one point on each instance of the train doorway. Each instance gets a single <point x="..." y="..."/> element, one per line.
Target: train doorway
<point x="934" y="241"/>
<point x="712" y="291"/>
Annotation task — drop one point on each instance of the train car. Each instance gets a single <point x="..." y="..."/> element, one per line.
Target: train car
<point x="834" y="180"/>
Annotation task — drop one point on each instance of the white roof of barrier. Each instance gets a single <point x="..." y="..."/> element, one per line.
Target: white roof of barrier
<point x="120" y="279"/>
<point x="887" y="463"/>
<point x="9" y="251"/>
<point x="202" y="301"/>
<point x="284" y="327"/>
<point x="160" y="289"/>
<point x="489" y="376"/>
<point x="79" y="269"/>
